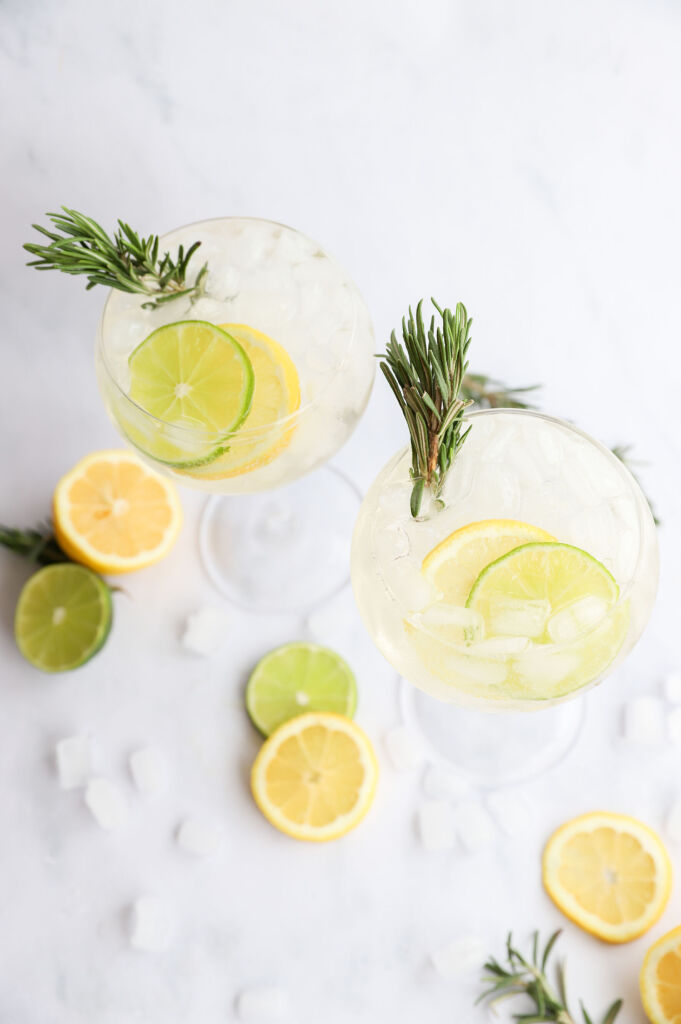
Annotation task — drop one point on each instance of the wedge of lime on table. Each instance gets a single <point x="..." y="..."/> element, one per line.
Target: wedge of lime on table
<point x="63" y="617"/>
<point x="296" y="678"/>
<point x="196" y="383"/>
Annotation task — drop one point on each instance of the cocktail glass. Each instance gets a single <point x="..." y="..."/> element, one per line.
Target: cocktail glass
<point x="273" y="537"/>
<point x="465" y="690"/>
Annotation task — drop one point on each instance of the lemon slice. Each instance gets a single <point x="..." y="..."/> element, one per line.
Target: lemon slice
<point x="63" y="617"/>
<point x="315" y="777"/>
<point x="297" y="678"/>
<point x="457" y="561"/>
<point x="608" y="873"/>
<point x="660" y="980"/>
<point x="197" y="382"/>
<point x="114" y="514"/>
<point x="276" y="396"/>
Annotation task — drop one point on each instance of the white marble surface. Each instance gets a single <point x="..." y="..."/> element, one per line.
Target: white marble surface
<point x="524" y="157"/>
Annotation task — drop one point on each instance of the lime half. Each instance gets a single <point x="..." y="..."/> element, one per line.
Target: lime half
<point x="63" y="617"/>
<point x="565" y="603"/>
<point x="296" y="678"/>
<point x="197" y="383"/>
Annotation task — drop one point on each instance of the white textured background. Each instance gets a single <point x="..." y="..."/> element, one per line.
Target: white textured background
<point x="524" y="157"/>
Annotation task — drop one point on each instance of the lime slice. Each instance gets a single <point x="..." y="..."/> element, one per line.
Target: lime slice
<point x="267" y="426"/>
<point x="456" y="562"/>
<point x="296" y="678"/>
<point x="565" y="603"/>
<point x="197" y="382"/>
<point x="63" y="617"/>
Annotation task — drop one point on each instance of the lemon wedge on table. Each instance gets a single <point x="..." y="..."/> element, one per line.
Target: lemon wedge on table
<point x="115" y="514"/>
<point x="608" y="873"/>
<point x="276" y="396"/>
<point x="660" y="980"/>
<point x="315" y="777"/>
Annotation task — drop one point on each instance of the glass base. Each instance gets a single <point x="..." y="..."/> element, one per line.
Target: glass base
<point x="282" y="550"/>
<point x="492" y="749"/>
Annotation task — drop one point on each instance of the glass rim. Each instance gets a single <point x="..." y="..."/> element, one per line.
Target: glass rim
<point x="638" y="498"/>
<point x="243" y="434"/>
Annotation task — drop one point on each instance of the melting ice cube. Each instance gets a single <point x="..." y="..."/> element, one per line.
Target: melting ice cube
<point x="459" y="624"/>
<point x="152" y="925"/>
<point x="205" y="630"/>
<point x="544" y="666"/>
<point x="576" y="619"/>
<point x="107" y="804"/>
<point x="74" y="758"/>
<point x="435" y="820"/>
<point x="509" y="616"/>
<point x="499" y="646"/>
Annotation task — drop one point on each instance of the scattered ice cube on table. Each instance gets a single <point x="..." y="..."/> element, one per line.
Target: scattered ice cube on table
<point x="511" y="811"/>
<point x="673" y="821"/>
<point x="199" y="837"/>
<point x="267" y="1004"/>
<point x="459" y="957"/>
<point x="499" y="646"/>
<point x="509" y="616"/>
<point x="474" y="826"/>
<point x="74" y="758"/>
<point x="644" y="721"/>
<point x="544" y="666"/>
<point x="460" y="624"/>
<point x="404" y="750"/>
<point x="674" y="725"/>
<point x="107" y="804"/>
<point x="441" y="784"/>
<point x="435" y="820"/>
<point x="576" y="619"/>
<point x="152" y="925"/>
<point x="149" y="770"/>
<point x="672" y="686"/>
<point x="205" y="630"/>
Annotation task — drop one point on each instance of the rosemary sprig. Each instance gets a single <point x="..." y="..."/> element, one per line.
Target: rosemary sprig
<point x="37" y="545"/>
<point x="425" y="372"/>
<point x="126" y="261"/>
<point x="519" y="976"/>
<point x="487" y="393"/>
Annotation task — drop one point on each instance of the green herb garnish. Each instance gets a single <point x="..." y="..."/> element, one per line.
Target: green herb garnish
<point x="126" y="261"/>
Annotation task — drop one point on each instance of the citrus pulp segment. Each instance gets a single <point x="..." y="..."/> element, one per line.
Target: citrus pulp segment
<point x="276" y="397"/>
<point x="608" y="873"/>
<point x="660" y="980"/>
<point x="63" y="617"/>
<point x="196" y="383"/>
<point x="114" y="514"/>
<point x="297" y="678"/>
<point x="315" y="777"/>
